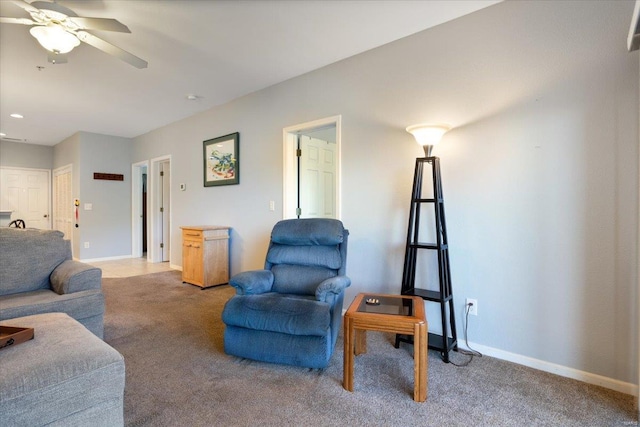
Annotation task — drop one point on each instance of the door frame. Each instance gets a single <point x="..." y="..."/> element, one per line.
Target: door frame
<point x="155" y="220"/>
<point x="290" y="171"/>
<point x="54" y="200"/>
<point x="137" y="169"/>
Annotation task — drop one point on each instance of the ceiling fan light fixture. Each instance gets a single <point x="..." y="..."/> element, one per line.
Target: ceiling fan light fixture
<point x="54" y="38"/>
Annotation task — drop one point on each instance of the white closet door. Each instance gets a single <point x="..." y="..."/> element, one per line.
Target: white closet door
<point x="26" y="192"/>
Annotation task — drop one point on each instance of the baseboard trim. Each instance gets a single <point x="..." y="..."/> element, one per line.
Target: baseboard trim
<point x="563" y="371"/>
<point x="110" y="258"/>
<point x="175" y="267"/>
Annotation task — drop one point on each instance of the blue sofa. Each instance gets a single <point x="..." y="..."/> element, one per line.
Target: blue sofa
<point x="291" y="311"/>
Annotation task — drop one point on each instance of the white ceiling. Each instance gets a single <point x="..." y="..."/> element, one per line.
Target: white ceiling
<point x="217" y="50"/>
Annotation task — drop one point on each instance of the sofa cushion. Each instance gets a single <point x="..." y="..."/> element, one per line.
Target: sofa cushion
<point x="28" y="256"/>
<point x="276" y="313"/>
<point x="79" y="305"/>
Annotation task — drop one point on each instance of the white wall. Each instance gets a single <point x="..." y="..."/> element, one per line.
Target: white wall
<point x="540" y="174"/>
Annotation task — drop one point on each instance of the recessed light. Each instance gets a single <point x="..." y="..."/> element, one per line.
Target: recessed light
<point x="192" y="97"/>
<point x="2" y="134"/>
<point x="17" y="116"/>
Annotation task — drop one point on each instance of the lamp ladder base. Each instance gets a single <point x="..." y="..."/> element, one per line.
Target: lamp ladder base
<point x="443" y="296"/>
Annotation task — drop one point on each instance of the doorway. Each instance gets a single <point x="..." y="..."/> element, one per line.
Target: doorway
<point x="159" y="212"/>
<point x="312" y="169"/>
<point x="151" y="209"/>
<point x="139" y="214"/>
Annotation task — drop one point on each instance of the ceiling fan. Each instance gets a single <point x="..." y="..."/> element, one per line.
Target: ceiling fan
<point x="59" y="29"/>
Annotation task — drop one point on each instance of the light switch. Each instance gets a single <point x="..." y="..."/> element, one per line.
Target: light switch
<point x="88" y="206"/>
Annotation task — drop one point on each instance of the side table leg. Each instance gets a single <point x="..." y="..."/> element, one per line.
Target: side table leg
<point x="347" y="375"/>
<point x="420" y="362"/>
<point x="360" y="341"/>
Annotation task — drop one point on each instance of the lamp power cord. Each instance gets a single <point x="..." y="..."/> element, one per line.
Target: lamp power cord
<point x="469" y="351"/>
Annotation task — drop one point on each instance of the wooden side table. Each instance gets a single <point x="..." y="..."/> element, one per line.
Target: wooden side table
<point x="398" y="314"/>
<point x="205" y="255"/>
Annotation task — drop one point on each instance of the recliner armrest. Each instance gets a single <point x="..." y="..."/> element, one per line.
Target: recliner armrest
<point x="252" y="282"/>
<point x="75" y="276"/>
<point x="332" y="286"/>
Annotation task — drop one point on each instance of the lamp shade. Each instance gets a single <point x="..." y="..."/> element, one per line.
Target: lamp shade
<point x="54" y="38"/>
<point x="428" y="134"/>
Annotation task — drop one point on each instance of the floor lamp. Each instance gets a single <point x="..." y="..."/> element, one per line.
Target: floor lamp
<point x="429" y="135"/>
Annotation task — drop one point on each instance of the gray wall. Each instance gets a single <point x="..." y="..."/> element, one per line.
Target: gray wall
<point x="21" y="155"/>
<point x="107" y="226"/>
<point x="540" y="173"/>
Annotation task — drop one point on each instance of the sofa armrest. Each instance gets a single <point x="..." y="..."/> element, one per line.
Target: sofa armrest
<point x="252" y="282"/>
<point x="332" y="286"/>
<point x="75" y="276"/>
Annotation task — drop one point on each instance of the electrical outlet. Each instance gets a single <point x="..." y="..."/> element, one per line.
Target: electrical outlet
<point x="473" y="310"/>
<point x="86" y="245"/>
<point x="272" y="205"/>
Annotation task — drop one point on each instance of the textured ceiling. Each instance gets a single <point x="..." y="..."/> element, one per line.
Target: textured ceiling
<point x="217" y="50"/>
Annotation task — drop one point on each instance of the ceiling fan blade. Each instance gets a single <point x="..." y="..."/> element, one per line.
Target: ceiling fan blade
<point x="103" y="24"/>
<point x="26" y="6"/>
<point x="23" y="21"/>
<point x="107" y="47"/>
<point x="44" y="6"/>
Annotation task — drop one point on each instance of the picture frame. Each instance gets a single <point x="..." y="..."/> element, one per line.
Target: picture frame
<point x="221" y="158"/>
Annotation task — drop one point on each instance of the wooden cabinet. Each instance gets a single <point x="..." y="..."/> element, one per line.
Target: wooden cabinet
<point x="205" y="255"/>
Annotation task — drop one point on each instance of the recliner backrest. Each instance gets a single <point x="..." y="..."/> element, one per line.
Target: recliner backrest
<point x="304" y="252"/>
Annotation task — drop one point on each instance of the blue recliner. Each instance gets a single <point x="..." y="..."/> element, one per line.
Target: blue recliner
<point x="290" y="312"/>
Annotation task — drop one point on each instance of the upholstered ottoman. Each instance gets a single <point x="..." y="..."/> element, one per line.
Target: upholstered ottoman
<point x="64" y="376"/>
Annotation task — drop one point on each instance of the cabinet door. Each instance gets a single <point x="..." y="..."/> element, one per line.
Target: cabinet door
<point x="192" y="253"/>
<point x="187" y="264"/>
<point x="196" y="263"/>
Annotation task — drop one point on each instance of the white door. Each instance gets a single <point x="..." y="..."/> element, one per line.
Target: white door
<point x="165" y="204"/>
<point x="323" y="181"/>
<point x="159" y="214"/>
<point x="317" y="178"/>
<point x="63" y="207"/>
<point x="27" y="192"/>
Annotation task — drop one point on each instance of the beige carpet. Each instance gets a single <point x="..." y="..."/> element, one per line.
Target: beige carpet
<point x="170" y="334"/>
